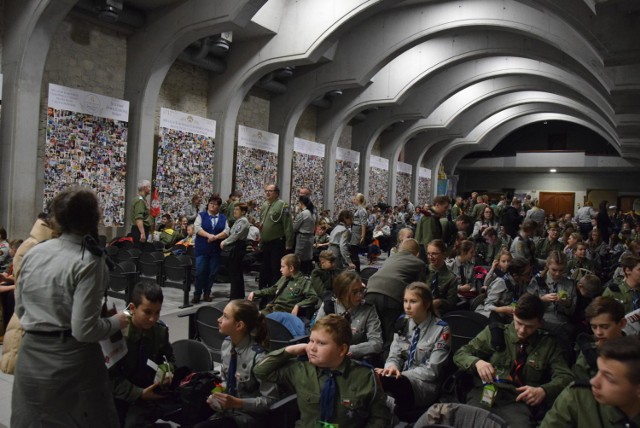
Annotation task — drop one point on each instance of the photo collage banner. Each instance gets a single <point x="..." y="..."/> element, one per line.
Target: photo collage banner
<point x="424" y="186"/>
<point x="86" y="145"/>
<point x="185" y="160"/>
<point x="256" y="163"/>
<point x="347" y="179"/>
<point x="403" y="182"/>
<point x="378" y="179"/>
<point x="308" y="171"/>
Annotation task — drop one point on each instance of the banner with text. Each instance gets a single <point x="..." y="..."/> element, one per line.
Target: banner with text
<point x="256" y="162"/>
<point x="308" y="171"/>
<point x="86" y="145"/>
<point x="185" y="160"/>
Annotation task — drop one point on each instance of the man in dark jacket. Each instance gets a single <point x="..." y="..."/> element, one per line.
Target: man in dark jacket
<point x="511" y="218"/>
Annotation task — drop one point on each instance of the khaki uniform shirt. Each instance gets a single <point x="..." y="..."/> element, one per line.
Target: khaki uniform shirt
<point x="276" y="222"/>
<point x="358" y="402"/>
<point x="288" y="292"/>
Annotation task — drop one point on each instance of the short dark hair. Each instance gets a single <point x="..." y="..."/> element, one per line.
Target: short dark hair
<point x="439" y="244"/>
<point x="629" y="261"/>
<point x="345" y="215"/>
<point x="441" y="200"/>
<point x="625" y="349"/>
<point x="337" y="326"/>
<point x="327" y="255"/>
<point x="291" y="260"/>
<point x="518" y="266"/>
<point x="242" y="207"/>
<point x="605" y="305"/>
<point x="215" y="198"/>
<point x="147" y="289"/>
<point x="529" y="307"/>
<point x="3" y="233"/>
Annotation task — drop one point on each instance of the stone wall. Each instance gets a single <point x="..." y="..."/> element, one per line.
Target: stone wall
<point x="308" y="123"/>
<point x="254" y="111"/>
<point x="184" y="89"/>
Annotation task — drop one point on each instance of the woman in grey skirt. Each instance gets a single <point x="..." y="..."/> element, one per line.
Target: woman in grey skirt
<point x="61" y="378"/>
<point x="304" y="227"/>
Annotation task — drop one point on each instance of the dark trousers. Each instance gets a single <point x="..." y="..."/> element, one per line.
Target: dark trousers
<point x="389" y="310"/>
<point x="135" y="233"/>
<point x="236" y="274"/>
<point x="273" y="251"/>
<point x="402" y="391"/>
<point x="585" y="228"/>
<point x="354" y="252"/>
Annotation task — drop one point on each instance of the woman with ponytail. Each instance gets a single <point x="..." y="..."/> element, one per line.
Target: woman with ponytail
<point x="245" y="398"/>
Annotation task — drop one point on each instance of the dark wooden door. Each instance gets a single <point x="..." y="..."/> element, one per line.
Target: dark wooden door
<point x="557" y="203"/>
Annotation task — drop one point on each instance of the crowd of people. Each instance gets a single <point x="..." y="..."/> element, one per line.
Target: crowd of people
<point x="561" y="304"/>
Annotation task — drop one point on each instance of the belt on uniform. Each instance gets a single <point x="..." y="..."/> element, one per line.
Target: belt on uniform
<point x="56" y="333"/>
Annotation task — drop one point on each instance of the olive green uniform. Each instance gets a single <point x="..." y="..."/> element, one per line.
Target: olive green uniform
<point x="544" y="247"/>
<point x="358" y="401"/>
<point x="443" y="286"/>
<point x="276" y="222"/>
<point x="227" y="209"/>
<point x="620" y="291"/>
<point x="545" y="367"/>
<point x="288" y="292"/>
<point x="428" y="229"/>
<point x="140" y="211"/>
<point x="576" y="407"/>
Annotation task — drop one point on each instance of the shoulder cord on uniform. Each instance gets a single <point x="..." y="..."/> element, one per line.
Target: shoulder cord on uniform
<point x="279" y="217"/>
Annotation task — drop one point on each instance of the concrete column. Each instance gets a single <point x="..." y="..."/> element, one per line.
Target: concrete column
<point x="28" y="28"/>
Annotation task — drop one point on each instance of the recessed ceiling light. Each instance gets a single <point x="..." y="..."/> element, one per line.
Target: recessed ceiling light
<point x="552" y="170"/>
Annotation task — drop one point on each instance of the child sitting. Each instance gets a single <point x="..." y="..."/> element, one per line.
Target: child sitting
<point x="578" y="265"/>
<point x="332" y="389"/>
<point x="135" y="388"/>
<point x="291" y="291"/>
<point x="190" y="238"/>
<point x="169" y="236"/>
<point x="322" y="276"/>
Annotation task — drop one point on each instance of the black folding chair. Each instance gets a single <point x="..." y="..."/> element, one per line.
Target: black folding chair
<point x="192" y="354"/>
<point x="280" y="336"/>
<point x="151" y="266"/>
<point x="122" y="279"/>
<point x="207" y="330"/>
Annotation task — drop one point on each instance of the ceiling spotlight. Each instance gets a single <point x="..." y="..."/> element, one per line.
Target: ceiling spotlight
<point x="553" y="170"/>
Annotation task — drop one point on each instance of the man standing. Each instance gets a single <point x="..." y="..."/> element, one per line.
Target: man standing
<point x="429" y="226"/>
<point x="276" y="235"/>
<point x="458" y="208"/>
<point x="511" y="218"/>
<point x="230" y="204"/>
<point x="522" y="373"/>
<point x="140" y="215"/>
<point x="385" y="288"/>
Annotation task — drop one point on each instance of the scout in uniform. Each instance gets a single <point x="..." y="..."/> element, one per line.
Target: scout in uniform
<point x="332" y="390"/>
<point x="612" y="397"/>
<point x="140" y="215"/>
<point x="245" y="401"/>
<point x="606" y="318"/>
<point x="627" y="291"/>
<point x="528" y="371"/>
<point x="276" y="235"/>
<point x="291" y="291"/>
<point x="419" y="352"/>
<point x="548" y="244"/>
<point x="442" y="283"/>
<point x="429" y="226"/>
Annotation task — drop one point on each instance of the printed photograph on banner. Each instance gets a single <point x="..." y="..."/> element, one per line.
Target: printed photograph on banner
<point x="424" y="186"/>
<point x="185" y="160"/>
<point x="378" y="179"/>
<point x="256" y="162"/>
<point x="86" y="145"/>
<point x="347" y="179"/>
<point x="307" y="171"/>
<point x="403" y="182"/>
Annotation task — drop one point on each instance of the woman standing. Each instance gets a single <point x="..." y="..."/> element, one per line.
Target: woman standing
<point x="304" y="226"/>
<point x="246" y="400"/>
<point x="348" y="291"/>
<point x="603" y="222"/>
<point x="61" y="378"/>
<point x="237" y="245"/>
<point x="358" y="230"/>
<point x="339" y="240"/>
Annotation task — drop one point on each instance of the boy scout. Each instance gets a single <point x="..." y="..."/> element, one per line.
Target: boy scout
<point x="612" y="399"/>
<point x="429" y="227"/>
<point x="333" y="390"/>
<point x="548" y="244"/>
<point x="606" y="318"/>
<point x="133" y="377"/>
<point x="627" y="291"/>
<point x="528" y="371"/>
<point x="291" y="291"/>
